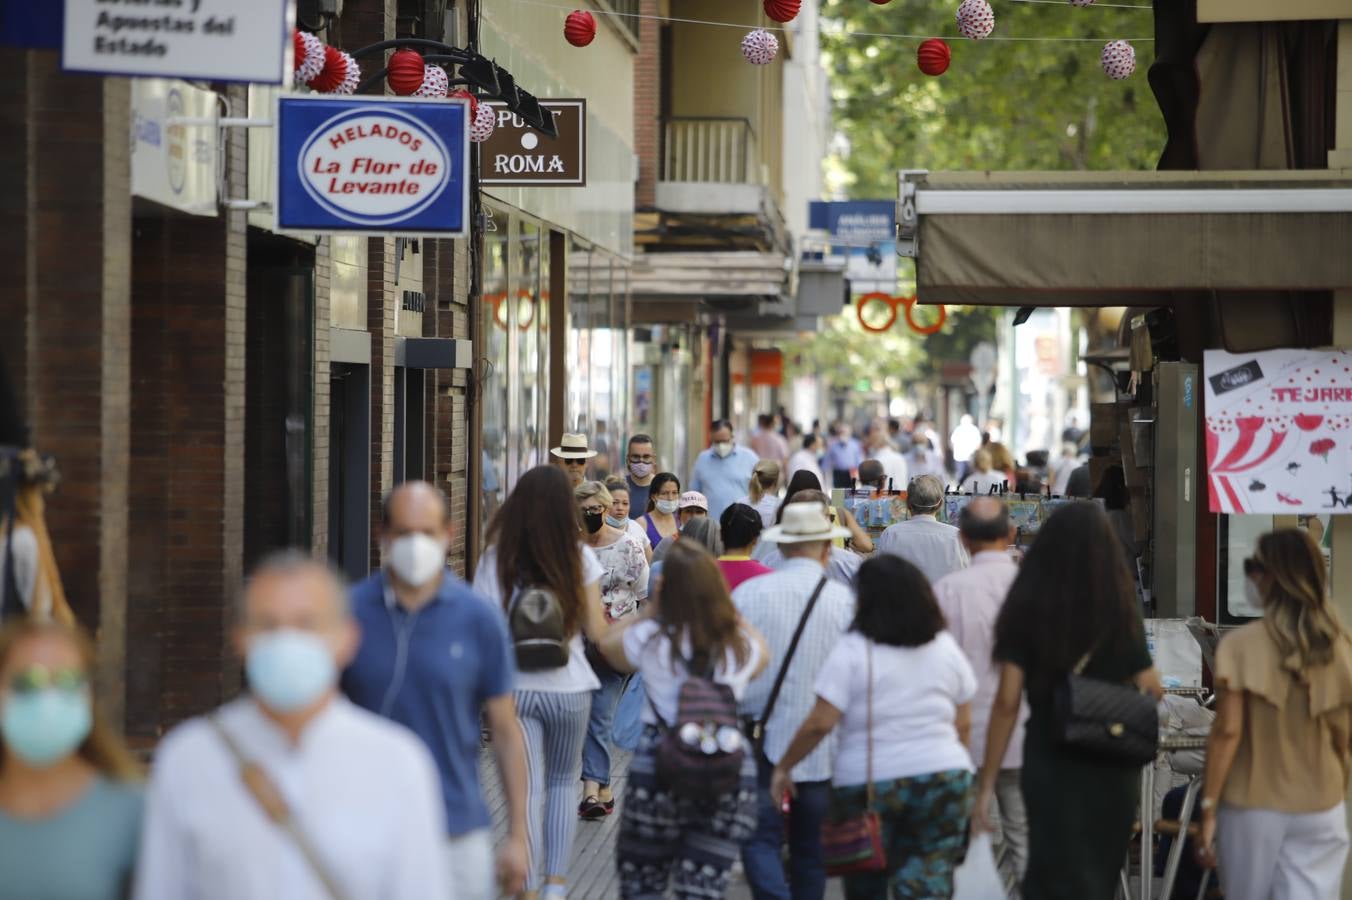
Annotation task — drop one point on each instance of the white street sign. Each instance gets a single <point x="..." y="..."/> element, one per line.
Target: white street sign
<point x="208" y="40"/>
<point x="173" y="163"/>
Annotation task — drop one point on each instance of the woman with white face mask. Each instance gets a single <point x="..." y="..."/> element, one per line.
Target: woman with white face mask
<point x="618" y="516"/>
<point x="1278" y="754"/>
<point x="70" y="797"/>
<point x="624" y="586"/>
<point x="663" y="502"/>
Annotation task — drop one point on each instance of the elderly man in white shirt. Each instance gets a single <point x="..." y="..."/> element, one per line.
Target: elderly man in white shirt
<point x="922" y="539"/>
<point x="971" y="599"/>
<point x="338" y="802"/>
<point x="775" y="605"/>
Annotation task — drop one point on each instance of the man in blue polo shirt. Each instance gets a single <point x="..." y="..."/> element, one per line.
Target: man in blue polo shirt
<point x="433" y="655"/>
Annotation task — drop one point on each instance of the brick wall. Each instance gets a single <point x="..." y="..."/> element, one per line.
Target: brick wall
<point x="186" y="476"/>
<point x="319" y="508"/>
<point x="446" y="283"/>
<point x="64" y="299"/>
<point x="647" y="105"/>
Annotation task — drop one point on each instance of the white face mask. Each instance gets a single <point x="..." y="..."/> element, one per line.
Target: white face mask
<point x="723" y="448"/>
<point x="1252" y="595"/>
<point x="666" y="507"/>
<point x="416" y="558"/>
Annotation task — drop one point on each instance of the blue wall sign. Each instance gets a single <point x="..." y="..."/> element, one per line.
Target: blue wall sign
<point x="372" y="165"/>
<point x="866" y="232"/>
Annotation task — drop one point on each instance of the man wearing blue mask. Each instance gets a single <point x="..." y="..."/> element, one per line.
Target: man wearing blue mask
<point x="433" y="657"/>
<point x="291" y="790"/>
<point x="722" y="472"/>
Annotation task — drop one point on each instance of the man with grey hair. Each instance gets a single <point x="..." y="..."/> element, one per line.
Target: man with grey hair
<point x="922" y="539"/>
<point x="434" y="657"/>
<point x="971" y="600"/>
<point x="798" y="594"/>
<point x="291" y="790"/>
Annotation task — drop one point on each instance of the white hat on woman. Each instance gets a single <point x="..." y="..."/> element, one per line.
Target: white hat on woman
<point x="803" y="522"/>
<point x="573" y="446"/>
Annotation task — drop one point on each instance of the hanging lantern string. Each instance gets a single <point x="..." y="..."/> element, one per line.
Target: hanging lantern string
<point x="1096" y="5"/>
<point x="830" y="32"/>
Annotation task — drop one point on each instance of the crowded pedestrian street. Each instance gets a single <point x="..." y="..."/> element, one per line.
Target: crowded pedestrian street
<point x="706" y="449"/>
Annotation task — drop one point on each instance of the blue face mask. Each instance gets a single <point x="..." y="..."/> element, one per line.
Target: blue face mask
<point x="289" y="669"/>
<point x="614" y="522"/>
<point x="46" y="725"/>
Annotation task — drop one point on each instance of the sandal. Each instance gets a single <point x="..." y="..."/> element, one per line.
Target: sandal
<point x="592" y="808"/>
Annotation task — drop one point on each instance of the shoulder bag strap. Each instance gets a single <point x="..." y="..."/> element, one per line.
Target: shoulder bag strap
<point x="758" y="728"/>
<point x="262" y="789"/>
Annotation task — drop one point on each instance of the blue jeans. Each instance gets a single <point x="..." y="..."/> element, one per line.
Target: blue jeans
<point x="761" y="856"/>
<point x="596" y="750"/>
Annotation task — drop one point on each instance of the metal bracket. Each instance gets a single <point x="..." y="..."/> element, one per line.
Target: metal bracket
<point x="908" y="214"/>
<point x="222" y="121"/>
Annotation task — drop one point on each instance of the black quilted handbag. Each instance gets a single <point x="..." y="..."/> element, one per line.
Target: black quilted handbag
<point x="1111" y="721"/>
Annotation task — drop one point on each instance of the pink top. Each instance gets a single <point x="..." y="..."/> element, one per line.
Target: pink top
<point x="737" y="569"/>
<point x="970" y="599"/>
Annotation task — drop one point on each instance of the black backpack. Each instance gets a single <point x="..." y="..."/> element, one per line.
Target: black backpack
<point x="535" y="618"/>
<point x="700" y="754"/>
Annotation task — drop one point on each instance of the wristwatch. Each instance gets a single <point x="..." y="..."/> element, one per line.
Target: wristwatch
<point x="1207" y="804"/>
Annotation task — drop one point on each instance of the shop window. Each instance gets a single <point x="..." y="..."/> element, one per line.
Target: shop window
<point x="493" y="366"/>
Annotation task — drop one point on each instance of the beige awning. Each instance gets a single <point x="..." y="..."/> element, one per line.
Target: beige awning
<point x="1121" y="239"/>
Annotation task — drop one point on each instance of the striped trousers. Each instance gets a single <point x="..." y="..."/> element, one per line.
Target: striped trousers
<point x="554" y="726"/>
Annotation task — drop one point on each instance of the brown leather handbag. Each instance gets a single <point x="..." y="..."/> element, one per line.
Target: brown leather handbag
<point x="855" y="844"/>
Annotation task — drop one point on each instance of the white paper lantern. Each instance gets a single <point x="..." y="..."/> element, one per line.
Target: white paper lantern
<point x="1119" y="59"/>
<point x="759" y="47"/>
<point x="435" y="83"/>
<point x="976" y="19"/>
<point x="485" y="120"/>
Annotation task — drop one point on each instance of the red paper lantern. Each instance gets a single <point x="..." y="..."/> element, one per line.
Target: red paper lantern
<point x="579" y="29"/>
<point x="782" y="10"/>
<point x="407" y="71"/>
<point x="339" y="75"/>
<point x="933" y="56"/>
<point x="473" y="102"/>
<point x="308" y="58"/>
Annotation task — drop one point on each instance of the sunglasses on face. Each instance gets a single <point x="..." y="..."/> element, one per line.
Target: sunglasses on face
<point x="641" y="459"/>
<point x="37" y="678"/>
<point x="1253" y="566"/>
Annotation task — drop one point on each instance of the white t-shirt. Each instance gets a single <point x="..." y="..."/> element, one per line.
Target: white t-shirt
<point x="650" y="650"/>
<point x="916" y="693"/>
<point x="573" y="678"/>
<point x="638" y="532"/>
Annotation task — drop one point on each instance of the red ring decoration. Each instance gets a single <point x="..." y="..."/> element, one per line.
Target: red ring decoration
<point x="924" y="329"/>
<point x="874" y="297"/>
<point x="500" y="315"/>
<point x="893" y="303"/>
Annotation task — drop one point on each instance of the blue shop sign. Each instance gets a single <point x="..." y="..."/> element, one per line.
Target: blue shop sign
<point x="372" y="165"/>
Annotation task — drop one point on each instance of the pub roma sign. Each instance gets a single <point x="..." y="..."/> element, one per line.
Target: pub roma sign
<point x="371" y="165"/>
<point x="519" y="156"/>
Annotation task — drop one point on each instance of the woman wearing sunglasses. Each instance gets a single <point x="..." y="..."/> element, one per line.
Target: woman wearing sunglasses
<point x="70" y="797"/>
<point x="1278" y="753"/>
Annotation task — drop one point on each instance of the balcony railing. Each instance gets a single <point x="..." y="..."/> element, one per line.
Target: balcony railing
<point x="720" y="150"/>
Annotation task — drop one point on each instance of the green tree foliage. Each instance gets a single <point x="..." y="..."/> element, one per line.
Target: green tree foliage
<point x="1001" y="104"/>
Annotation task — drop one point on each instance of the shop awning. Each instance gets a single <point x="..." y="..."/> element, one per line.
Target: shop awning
<point x="1123" y="238"/>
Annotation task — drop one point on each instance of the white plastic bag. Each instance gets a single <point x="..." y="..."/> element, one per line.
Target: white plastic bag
<point x="978" y="878"/>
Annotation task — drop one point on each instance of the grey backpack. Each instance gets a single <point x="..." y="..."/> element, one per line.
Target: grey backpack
<point x="535" y="617"/>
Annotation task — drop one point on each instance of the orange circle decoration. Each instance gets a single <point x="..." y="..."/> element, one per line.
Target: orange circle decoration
<point x="876" y="297"/>
<point x="892" y="303"/>
<point x="931" y="328"/>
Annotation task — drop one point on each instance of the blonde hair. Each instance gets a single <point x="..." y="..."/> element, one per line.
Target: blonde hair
<point x="589" y="489"/>
<point x="102" y="748"/>
<point x="616" y="483"/>
<point x="1001" y="458"/>
<point x="49" y="597"/>
<point x="1296" y="608"/>
<point x="981" y="460"/>
<point x="764" y="479"/>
